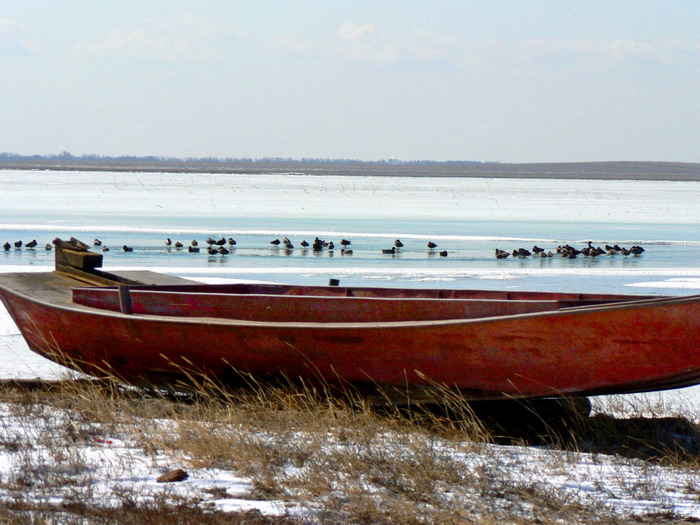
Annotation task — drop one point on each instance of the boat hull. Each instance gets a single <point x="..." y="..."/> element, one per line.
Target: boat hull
<point x="625" y="347"/>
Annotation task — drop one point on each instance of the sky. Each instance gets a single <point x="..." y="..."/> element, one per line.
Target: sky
<point x="490" y="80"/>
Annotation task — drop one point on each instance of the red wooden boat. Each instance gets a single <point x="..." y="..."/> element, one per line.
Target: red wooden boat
<point x="147" y="328"/>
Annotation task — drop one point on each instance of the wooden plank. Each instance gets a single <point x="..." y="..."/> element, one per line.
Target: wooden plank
<point x="148" y="277"/>
<point x="85" y="261"/>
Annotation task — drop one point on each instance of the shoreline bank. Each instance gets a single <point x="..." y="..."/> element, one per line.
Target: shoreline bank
<point x="647" y="171"/>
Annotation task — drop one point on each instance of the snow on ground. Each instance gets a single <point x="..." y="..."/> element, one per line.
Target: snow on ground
<point x="110" y="466"/>
<point x="104" y="469"/>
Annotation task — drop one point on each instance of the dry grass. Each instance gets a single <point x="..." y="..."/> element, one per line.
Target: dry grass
<point x="333" y="458"/>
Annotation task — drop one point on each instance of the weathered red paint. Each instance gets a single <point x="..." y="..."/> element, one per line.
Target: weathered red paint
<point x="486" y="344"/>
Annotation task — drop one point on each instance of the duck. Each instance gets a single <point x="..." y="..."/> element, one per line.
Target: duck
<point x="168" y="242"/>
<point x="275" y="242"/>
<point x="211" y="241"/>
<point x="522" y="252"/>
<point x="391" y="250"/>
<point x="431" y="245"/>
<point x="194" y="243"/>
<point x="568" y="251"/>
<point x="594" y="251"/>
<point x="443" y="253"/>
<point x="501" y="254"/>
<point x="231" y="241"/>
<point x="223" y="251"/>
<point x="537" y="249"/>
<point x="636" y="250"/>
<point x="48" y="247"/>
<point x="97" y="242"/>
<point x="346" y="251"/>
<point x="193" y="249"/>
<point x="178" y="244"/>
<point x="7" y="246"/>
<point x="220" y="242"/>
<point x="398" y="243"/>
<point x="345" y="243"/>
<point x="105" y="248"/>
<point x="31" y="244"/>
<point x="212" y="251"/>
<point x="127" y="248"/>
<point x="304" y="244"/>
<point x="331" y="246"/>
<point x="18" y="244"/>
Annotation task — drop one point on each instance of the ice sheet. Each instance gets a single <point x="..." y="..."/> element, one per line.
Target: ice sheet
<point x="156" y="194"/>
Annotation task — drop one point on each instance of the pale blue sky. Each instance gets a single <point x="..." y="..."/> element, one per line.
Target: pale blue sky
<point x="508" y="81"/>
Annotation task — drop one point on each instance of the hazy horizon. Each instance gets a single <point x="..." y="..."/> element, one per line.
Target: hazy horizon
<point x="504" y="81"/>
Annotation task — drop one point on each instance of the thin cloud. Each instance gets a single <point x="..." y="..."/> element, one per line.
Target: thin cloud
<point x="182" y="38"/>
<point x="13" y="37"/>
<point x="366" y="43"/>
<point x="667" y="52"/>
<point x="352" y="32"/>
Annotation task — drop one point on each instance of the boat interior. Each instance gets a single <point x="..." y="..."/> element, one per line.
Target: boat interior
<point x="284" y="303"/>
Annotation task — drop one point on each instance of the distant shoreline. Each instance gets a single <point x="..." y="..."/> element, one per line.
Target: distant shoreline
<point x="660" y="171"/>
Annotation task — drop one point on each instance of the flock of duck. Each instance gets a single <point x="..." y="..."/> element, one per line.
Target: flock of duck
<point x="569" y="252"/>
<point x="223" y="246"/>
<point x="19" y="244"/>
<point x="396" y="248"/>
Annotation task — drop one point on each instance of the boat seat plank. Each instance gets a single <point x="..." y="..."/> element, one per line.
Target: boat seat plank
<point x="149" y="278"/>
